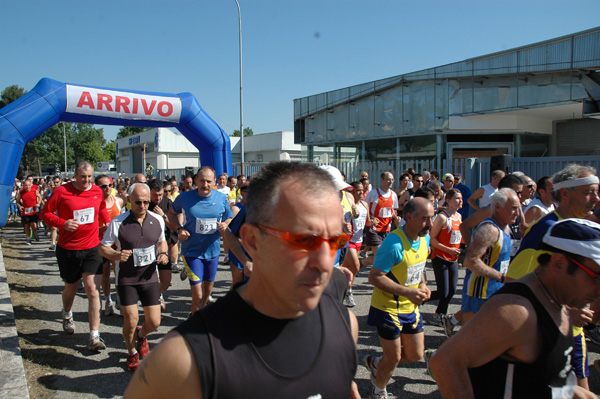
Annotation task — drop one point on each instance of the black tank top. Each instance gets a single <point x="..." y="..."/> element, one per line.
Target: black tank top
<point x="242" y="353"/>
<point x="528" y="380"/>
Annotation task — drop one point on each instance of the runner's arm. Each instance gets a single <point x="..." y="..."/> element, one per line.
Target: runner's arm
<point x="474" y="197"/>
<point x="485" y="236"/>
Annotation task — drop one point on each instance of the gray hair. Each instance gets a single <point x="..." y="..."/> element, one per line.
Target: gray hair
<point x="501" y="196"/>
<point x="571" y="172"/>
<point x="134" y="185"/>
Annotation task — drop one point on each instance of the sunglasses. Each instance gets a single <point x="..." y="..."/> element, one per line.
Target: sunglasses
<point x="104" y="185"/>
<point x="306" y="242"/>
<point x="418" y="181"/>
<point x="519" y="192"/>
<point x="594" y="275"/>
<point x="141" y="202"/>
<point x="168" y="191"/>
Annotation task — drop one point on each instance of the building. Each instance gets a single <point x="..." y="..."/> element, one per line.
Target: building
<point x="537" y="100"/>
<point x="168" y="150"/>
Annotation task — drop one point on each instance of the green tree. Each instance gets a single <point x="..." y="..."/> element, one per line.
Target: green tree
<point x="247" y="132"/>
<point x="88" y="143"/>
<point x="127" y="131"/>
<point x="110" y="151"/>
<point x="10" y="94"/>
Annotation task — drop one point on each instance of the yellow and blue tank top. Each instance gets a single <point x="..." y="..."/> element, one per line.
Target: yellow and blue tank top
<point x="525" y="260"/>
<point x="498" y="257"/>
<point x="404" y="262"/>
<point x="347" y="207"/>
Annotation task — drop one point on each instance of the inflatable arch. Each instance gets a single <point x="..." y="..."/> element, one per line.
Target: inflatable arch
<point x="50" y="102"/>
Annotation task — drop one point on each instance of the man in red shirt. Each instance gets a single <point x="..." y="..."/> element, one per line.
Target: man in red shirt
<point x="79" y="204"/>
<point x="28" y="200"/>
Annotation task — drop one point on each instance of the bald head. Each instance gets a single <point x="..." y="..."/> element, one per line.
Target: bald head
<point x="140" y="199"/>
<point x="139" y="178"/>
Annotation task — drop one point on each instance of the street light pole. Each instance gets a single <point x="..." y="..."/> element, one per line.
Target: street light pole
<point x="65" y="144"/>
<point x="241" y="93"/>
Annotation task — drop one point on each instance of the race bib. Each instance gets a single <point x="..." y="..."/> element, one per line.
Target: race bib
<point x="568" y="390"/>
<point x="206" y="226"/>
<point x="385" y="213"/>
<point x="84" y="216"/>
<point x="359" y="224"/>
<point x="514" y="247"/>
<point x="455" y="237"/>
<point x="143" y="256"/>
<point x="29" y="211"/>
<point x="414" y="273"/>
<point x="504" y="266"/>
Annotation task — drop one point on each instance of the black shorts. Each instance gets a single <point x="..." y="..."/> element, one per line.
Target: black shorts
<point x="160" y="266"/>
<point x="26" y="219"/>
<point x="73" y="263"/>
<point x="374" y="238"/>
<point x="148" y="294"/>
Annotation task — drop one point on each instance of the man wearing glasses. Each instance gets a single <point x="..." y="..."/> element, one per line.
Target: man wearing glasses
<point x="417" y="183"/>
<point x="140" y="247"/>
<point x="114" y="205"/>
<point x="575" y="189"/>
<point x="276" y="335"/>
<point x="519" y="345"/>
<point x="79" y="206"/>
<point x="207" y="215"/>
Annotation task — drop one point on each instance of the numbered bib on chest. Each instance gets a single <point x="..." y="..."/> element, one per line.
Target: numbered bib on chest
<point x="360" y="223"/>
<point x="504" y="266"/>
<point x="385" y="212"/>
<point x="414" y="273"/>
<point x="29" y="211"/>
<point x="206" y="226"/>
<point x="455" y="237"/>
<point x="144" y="256"/>
<point x="514" y="247"/>
<point x="84" y="216"/>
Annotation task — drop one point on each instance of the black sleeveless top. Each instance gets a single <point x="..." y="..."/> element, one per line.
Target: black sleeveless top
<point x="528" y="380"/>
<point x="242" y="353"/>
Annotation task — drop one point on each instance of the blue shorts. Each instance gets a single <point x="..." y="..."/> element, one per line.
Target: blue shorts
<point x="580" y="356"/>
<point x="391" y="325"/>
<point x="471" y="304"/>
<point x="199" y="270"/>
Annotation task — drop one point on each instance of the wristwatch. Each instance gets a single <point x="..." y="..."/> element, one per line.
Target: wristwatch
<point x="179" y="228"/>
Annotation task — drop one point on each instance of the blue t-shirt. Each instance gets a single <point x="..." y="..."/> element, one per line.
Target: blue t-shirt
<point x="201" y="217"/>
<point x="391" y="251"/>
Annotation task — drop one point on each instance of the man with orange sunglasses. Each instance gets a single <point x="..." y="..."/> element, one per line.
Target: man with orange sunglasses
<point x="279" y="329"/>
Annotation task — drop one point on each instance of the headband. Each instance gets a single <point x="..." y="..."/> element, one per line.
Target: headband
<point x="576" y="182"/>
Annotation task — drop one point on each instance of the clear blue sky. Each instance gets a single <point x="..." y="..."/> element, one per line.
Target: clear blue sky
<point x="291" y="48"/>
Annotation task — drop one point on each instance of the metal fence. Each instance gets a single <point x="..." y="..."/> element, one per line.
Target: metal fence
<point x="475" y="171"/>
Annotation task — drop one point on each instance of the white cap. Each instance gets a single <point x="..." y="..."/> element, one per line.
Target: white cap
<point x="336" y="175"/>
<point x="577" y="236"/>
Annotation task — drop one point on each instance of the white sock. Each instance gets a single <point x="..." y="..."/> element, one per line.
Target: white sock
<point x="108" y="299"/>
<point x="66" y="315"/>
<point x="94" y="334"/>
<point x="377" y="390"/>
<point x="454" y="320"/>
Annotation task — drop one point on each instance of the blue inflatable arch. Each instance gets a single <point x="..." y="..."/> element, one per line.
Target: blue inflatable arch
<point x="50" y="102"/>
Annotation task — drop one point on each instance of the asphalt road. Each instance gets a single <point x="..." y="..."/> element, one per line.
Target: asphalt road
<point x="59" y="365"/>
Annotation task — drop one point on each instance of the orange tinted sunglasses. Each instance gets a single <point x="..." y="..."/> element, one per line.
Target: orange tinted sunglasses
<point x="306" y="242"/>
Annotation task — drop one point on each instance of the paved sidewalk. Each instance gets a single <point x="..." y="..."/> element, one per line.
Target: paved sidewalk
<point x="12" y="374"/>
<point x="59" y="365"/>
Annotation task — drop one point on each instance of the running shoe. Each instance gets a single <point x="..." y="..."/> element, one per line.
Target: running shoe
<point x="96" y="344"/>
<point x="211" y="299"/>
<point x="226" y="260"/>
<point x="163" y="305"/>
<point x="428" y="354"/>
<point x="28" y="241"/>
<point x="109" y="308"/>
<point x="142" y="344"/>
<point x="52" y="247"/>
<point x="183" y="274"/>
<point x="68" y="325"/>
<point x="448" y="326"/>
<point x="593" y="335"/>
<point x="133" y="361"/>
<point x="381" y="395"/>
<point x="349" y="300"/>
<point x="176" y="267"/>
<point x="37" y="236"/>
<point x="436" y="321"/>
<point x="368" y="362"/>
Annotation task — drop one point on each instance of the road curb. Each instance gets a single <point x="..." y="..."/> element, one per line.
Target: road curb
<point x="13" y="383"/>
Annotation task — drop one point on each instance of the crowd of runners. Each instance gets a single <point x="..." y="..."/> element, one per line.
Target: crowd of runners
<point x="295" y="237"/>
